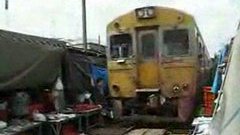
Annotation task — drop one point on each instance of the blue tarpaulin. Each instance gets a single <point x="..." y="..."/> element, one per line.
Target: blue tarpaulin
<point x="218" y="75"/>
<point x="99" y="72"/>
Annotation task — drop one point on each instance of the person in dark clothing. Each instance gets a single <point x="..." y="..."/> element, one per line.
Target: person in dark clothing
<point x="101" y="95"/>
<point x="48" y="101"/>
<point x="100" y="91"/>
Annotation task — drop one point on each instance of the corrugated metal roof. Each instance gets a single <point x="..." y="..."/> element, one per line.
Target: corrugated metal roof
<point x="29" y="39"/>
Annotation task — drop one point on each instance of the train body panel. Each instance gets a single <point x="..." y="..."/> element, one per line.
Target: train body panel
<point x="182" y="77"/>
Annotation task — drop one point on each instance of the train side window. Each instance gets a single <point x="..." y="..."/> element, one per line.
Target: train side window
<point x="121" y="46"/>
<point x="148" y="45"/>
<point x="176" y="42"/>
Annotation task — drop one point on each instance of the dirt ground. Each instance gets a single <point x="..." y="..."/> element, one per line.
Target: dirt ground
<point x="117" y="130"/>
<point x="147" y="131"/>
<point x="128" y="128"/>
<point x="129" y="131"/>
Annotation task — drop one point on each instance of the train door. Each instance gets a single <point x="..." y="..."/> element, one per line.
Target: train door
<point x="147" y="59"/>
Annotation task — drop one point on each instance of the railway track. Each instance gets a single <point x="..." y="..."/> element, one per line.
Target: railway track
<point x="133" y="130"/>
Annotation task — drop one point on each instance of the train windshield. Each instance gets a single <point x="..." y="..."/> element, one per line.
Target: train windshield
<point x="176" y="42"/>
<point x="121" y="46"/>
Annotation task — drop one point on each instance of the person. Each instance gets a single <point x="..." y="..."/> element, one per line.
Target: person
<point x="20" y="103"/>
<point x="48" y="101"/>
<point x="100" y="92"/>
<point x="100" y="97"/>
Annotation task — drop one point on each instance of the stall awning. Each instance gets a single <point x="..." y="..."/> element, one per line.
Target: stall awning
<point x="28" y="62"/>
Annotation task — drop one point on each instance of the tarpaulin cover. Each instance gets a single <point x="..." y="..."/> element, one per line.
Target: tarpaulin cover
<point x="227" y="119"/>
<point x="77" y="73"/>
<point x="77" y="78"/>
<point x="28" y="61"/>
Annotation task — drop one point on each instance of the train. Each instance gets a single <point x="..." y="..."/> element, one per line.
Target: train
<point x="157" y="63"/>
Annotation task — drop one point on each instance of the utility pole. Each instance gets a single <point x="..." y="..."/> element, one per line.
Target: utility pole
<point x="84" y="25"/>
<point x="6" y="4"/>
<point x="99" y="40"/>
<point x="99" y="43"/>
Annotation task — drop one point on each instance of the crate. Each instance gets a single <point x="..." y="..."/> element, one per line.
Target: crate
<point x="208" y="98"/>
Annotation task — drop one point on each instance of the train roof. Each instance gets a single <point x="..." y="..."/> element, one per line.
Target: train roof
<point x="164" y="16"/>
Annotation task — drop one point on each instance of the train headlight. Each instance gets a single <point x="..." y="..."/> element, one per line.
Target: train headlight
<point x="176" y="89"/>
<point x="185" y="85"/>
<point x="145" y="13"/>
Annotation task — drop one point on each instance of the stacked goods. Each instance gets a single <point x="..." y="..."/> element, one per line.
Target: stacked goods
<point x="208" y="101"/>
<point x="36" y="107"/>
<point x="36" y="110"/>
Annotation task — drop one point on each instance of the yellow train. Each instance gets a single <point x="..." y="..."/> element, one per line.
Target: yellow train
<point x="157" y="61"/>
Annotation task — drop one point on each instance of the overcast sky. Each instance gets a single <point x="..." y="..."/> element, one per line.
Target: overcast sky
<point x="217" y="19"/>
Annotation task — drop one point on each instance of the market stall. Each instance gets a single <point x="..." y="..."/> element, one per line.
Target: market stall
<point x="35" y="73"/>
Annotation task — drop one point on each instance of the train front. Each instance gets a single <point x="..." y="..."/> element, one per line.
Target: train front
<point x="152" y="63"/>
